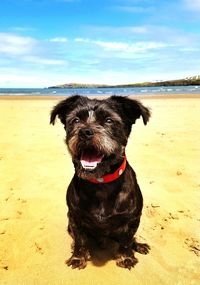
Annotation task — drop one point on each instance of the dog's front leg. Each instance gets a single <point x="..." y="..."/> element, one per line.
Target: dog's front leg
<point x="80" y="254"/>
<point x="125" y="257"/>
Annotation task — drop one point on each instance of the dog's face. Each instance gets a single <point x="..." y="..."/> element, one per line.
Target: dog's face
<point x="97" y="131"/>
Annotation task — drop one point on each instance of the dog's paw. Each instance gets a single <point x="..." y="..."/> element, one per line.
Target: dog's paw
<point x="126" y="261"/>
<point x="76" y="262"/>
<point x="142" y="248"/>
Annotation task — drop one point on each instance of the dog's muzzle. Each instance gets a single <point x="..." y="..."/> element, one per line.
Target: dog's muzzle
<point x="90" y="156"/>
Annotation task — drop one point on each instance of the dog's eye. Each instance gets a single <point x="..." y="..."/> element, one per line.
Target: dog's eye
<point x="108" y="120"/>
<point x="75" y="120"/>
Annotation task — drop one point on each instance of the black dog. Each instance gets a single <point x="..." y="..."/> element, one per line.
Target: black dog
<point x="103" y="198"/>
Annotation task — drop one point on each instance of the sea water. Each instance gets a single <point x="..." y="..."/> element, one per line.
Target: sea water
<point x="101" y="91"/>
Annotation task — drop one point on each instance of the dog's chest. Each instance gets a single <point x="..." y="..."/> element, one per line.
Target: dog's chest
<point x="105" y="208"/>
<point x="102" y="213"/>
<point x="101" y="206"/>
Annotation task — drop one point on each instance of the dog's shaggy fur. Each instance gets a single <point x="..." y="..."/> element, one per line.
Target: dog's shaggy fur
<point x="97" y="132"/>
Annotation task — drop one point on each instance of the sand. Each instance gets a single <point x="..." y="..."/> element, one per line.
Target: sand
<point x="35" y="170"/>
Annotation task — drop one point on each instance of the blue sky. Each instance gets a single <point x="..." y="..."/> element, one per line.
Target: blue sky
<point x="47" y="42"/>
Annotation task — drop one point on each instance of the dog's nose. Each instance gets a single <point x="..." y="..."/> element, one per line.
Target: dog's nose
<point x="86" y="133"/>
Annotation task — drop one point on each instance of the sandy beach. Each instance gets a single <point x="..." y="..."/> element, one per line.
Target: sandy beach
<point x="35" y="169"/>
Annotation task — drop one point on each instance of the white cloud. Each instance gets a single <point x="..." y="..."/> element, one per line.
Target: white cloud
<point x="122" y="46"/>
<point x="81" y="40"/>
<point x="22" y="29"/>
<point x="135" y="29"/>
<point x="192" y="4"/>
<point x="45" y="61"/>
<point x="13" y="45"/>
<point x="27" y="49"/>
<point x="104" y="44"/>
<point x="189" y="49"/>
<point x="59" y="40"/>
<point x="134" y="9"/>
<point x="138" y="30"/>
<point x="111" y="45"/>
<point x="148" y="32"/>
<point x="18" y="78"/>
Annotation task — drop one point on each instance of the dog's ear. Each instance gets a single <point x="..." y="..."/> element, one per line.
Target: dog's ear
<point x="130" y="109"/>
<point x="63" y="108"/>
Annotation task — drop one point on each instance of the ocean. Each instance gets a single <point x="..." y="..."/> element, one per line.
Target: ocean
<point x="101" y="91"/>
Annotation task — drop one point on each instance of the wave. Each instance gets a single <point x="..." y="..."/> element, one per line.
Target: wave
<point x="101" y="91"/>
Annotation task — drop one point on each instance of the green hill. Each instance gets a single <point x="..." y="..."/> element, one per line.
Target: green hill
<point x="178" y="82"/>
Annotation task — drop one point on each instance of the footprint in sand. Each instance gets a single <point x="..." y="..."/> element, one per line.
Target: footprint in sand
<point x="193" y="245"/>
<point x="151" y="210"/>
<point x="11" y="192"/>
<point x="185" y="213"/>
<point x="173" y="216"/>
<point x="5" y="267"/>
<point x="161" y="134"/>
<point x="7" y="198"/>
<point x="170" y="217"/>
<point x="3" y="264"/>
<point x="4" y="219"/>
<point x="165" y="219"/>
<point x="22" y="200"/>
<point x="38" y="248"/>
<point x="19" y="214"/>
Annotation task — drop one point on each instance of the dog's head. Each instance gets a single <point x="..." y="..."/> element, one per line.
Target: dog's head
<point x="97" y="130"/>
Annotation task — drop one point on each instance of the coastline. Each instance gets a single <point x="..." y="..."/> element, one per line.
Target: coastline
<point x="36" y="169"/>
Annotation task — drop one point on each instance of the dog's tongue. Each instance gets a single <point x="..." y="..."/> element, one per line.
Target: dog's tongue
<point x="90" y="160"/>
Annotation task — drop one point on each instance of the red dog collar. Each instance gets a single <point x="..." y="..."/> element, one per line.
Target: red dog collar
<point x="111" y="177"/>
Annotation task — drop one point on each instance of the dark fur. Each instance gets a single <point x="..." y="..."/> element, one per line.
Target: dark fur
<point x="110" y="210"/>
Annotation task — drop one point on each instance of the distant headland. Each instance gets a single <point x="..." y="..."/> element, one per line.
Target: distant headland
<point x="195" y="80"/>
